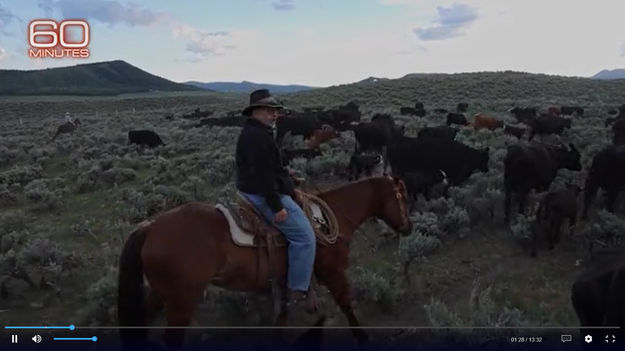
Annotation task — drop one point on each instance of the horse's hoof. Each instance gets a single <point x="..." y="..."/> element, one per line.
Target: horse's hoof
<point x="312" y="302"/>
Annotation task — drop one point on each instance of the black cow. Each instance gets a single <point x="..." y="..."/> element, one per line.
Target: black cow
<point x="363" y="163"/>
<point x="615" y="115"/>
<point x="618" y="130"/>
<point x="524" y="114"/>
<point x="144" y="137"/>
<point x="621" y="111"/>
<point x="289" y="154"/>
<point x="369" y="137"/>
<point x="342" y="117"/>
<point x="547" y="124"/>
<point x="440" y="132"/>
<point x="297" y="124"/>
<point x="420" y="109"/>
<point x="514" y="131"/>
<point x="456" y="118"/>
<point x="569" y="110"/>
<point x="228" y="121"/>
<point x="405" y="111"/>
<point x="462" y="107"/>
<point x="608" y="173"/>
<point x="197" y="114"/>
<point x="609" y="121"/>
<point x="313" y="109"/>
<point x="534" y="167"/>
<point x="377" y="134"/>
<point x="421" y="181"/>
<point x="457" y="160"/>
<point x="597" y="294"/>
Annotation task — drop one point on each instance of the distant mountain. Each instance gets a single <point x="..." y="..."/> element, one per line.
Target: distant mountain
<point x="101" y="78"/>
<point x="248" y="87"/>
<point x="610" y="74"/>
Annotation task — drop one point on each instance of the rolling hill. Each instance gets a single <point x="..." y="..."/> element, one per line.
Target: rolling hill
<point x="610" y="74"/>
<point x="101" y="78"/>
<point x="247" y="87"/>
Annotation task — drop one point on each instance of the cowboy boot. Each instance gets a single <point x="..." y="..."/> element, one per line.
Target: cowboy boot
<point x="307" y="299"/>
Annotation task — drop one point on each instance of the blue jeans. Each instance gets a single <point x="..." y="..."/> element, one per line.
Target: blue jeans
<point x="300" y="235"/>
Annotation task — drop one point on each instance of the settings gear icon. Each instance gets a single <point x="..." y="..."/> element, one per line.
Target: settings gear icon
<point x="588" y="339"/>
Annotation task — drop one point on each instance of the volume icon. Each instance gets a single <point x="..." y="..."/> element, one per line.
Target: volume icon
<point x="36" y="338"/>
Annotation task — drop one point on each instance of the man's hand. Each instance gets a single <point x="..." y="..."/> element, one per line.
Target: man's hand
<point x="298" y="197"/>
<point x="280" y="216"/>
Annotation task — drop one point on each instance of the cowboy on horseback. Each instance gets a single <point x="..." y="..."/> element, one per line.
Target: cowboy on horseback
<point x="264" y="182"/>
<point x="68" y="119"/>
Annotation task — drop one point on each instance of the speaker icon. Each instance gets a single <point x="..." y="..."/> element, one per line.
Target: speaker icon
<point x="36" y="338"/>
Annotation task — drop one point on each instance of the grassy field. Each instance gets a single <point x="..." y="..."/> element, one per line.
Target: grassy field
<point x="66" y="206"/>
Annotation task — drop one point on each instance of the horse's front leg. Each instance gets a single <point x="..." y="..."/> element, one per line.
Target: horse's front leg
<point x="341" y="291"/>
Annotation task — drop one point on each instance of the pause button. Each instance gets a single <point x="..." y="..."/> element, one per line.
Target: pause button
<point x="13" y="339"/>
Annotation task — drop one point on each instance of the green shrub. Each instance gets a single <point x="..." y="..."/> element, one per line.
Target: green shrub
<point x="47" y="194"/>
<point x="117" y="176"/>
<point x="607" y="231"/>
<point x="416" y="247"/>
<point x="21" y="175"/>
<point x="369" y="286"/>
<point x="7" y="197"/>
<point x="101" y="300"/>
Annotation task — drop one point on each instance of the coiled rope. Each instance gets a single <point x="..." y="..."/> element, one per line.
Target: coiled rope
<point x="323" y="237"/>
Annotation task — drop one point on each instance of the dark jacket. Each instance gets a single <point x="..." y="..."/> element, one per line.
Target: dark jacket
<point x="259" y="167"/>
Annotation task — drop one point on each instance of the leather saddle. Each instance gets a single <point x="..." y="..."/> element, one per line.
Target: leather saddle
<point x="248" y="228"/>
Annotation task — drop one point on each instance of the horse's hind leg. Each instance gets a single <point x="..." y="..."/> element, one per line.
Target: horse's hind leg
<point x="341" y="291"/>
<point x="180" y="308"/>
<point x="153" y="306"/>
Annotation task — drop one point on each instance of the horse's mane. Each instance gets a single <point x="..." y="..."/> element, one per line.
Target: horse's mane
<point x="320" y="191"/>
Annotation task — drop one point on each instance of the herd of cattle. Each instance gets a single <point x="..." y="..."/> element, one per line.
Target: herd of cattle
<point x="434" y="157"/>
<point x="420" y="161"/>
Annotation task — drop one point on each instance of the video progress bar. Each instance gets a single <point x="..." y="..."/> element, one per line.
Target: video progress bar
<point x="70" y="327"/>
<point x="347" y="327"/>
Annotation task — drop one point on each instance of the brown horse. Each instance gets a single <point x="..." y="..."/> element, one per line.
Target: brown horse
<point x="183" y="250"/>
<point x="67" y="127"/>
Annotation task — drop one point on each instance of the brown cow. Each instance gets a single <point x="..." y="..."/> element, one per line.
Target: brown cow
<point x="554" y="208"/>
<point x="553" y="111"/>
<point x="481" y="121"/>
<point x="320" y="136"/>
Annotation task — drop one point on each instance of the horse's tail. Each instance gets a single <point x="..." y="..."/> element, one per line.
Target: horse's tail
<point x="130" y="294"/>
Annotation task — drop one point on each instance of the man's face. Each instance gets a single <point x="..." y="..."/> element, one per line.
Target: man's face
<point x="266" y="115"/>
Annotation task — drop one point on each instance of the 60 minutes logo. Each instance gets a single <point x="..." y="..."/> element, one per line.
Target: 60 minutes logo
<point x="55" y="43"/>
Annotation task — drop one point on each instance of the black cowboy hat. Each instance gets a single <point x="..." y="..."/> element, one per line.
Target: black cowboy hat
<point x="261" y="98"/>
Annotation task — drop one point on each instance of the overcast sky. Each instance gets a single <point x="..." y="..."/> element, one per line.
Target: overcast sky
<point x="327" y="42"/>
